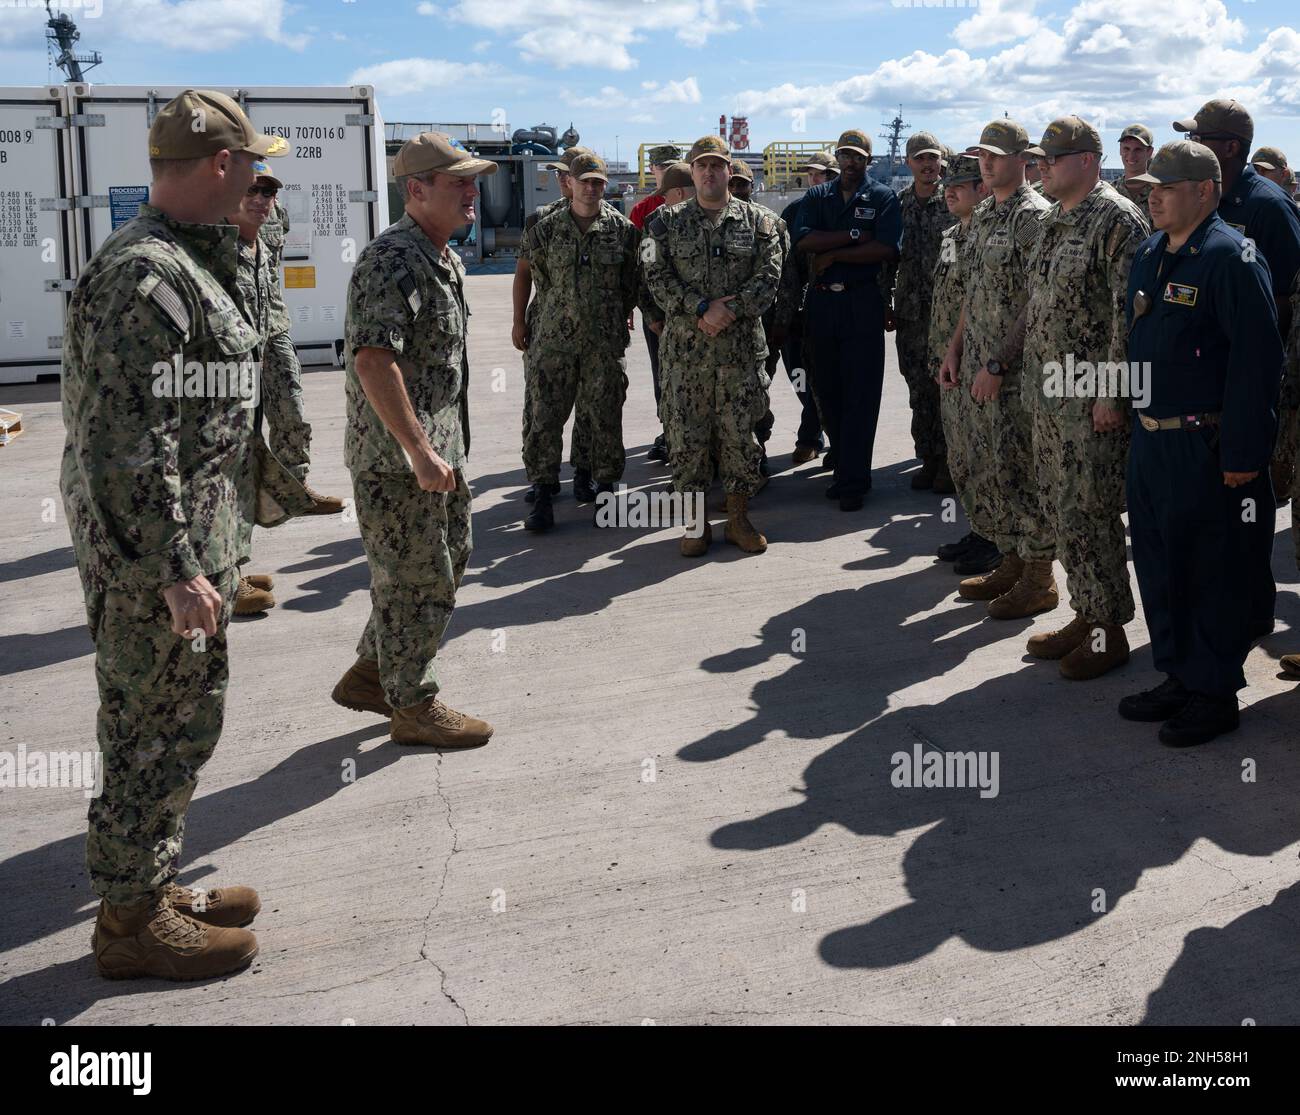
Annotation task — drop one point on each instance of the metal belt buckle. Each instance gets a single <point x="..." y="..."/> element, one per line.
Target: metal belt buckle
<point x="1148" y="423"/>
<point x="837" y="287"/>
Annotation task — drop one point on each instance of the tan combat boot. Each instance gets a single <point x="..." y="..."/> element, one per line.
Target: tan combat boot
<point x="803" y="454"/>
<point x="1034" y="592"/>
<point x="1104" y="647"/>
<point x="989" y="586"/>
<point x="261" y="580"/>
<point x="1057" y="644"/>
<point x="697" y="547"/>
<point x="739" y="530"/>
<point x="251" y="600"/>
<point x="323" y="505"/>
<point x="225" y="907"/>
<point x="360" y="689"/>
<point x="152" y="938"/>
<point x="433" y="724"/>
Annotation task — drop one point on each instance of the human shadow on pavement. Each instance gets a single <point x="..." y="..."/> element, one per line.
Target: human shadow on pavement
<point x="47" y="889"/>
<point x="32" y="650"/>
<point x="33" y="565"/>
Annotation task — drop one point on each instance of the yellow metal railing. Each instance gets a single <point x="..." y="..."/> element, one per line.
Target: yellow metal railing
<point x="643" y="174"/>
<point x="781" y="156"/>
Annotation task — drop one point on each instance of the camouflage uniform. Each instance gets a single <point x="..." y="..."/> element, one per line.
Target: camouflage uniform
<point x="586" y="285"/>
<point x="282" y="404"/>
<point x="408" y="298"/>
<point x="1078" y="285"/>
<point x="778" y="319"/>
<point x="580" y="436"/>
<point x="714" y="388"/>
<point x="1139" y="193"/>
<point x="908" y="282"/>
<point x="996" y="292"/>
<point x="157" y="490"/>
<point x="960" y="413"/>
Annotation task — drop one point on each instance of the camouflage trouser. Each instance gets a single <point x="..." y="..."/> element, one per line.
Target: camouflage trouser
<point x="418" y="544"/>
<point x="161" y="701"/>
<point x="290" y="435"/>
<point x="711" y="413"/>
<point x="912" y="339"/>
<point x="1004" y="438"/>
<point x="593" y="385"/>
<point x="970" y="468"/>
<point x="1081" y="499"/>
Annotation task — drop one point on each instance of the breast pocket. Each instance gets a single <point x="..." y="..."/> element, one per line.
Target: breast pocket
<point x="608" y="259"/>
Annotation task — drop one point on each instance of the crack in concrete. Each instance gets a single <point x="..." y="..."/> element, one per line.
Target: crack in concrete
<point x="442" y="885"/>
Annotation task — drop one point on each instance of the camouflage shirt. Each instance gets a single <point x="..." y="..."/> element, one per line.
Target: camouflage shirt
<point x="1139" y="193"/>
<point x="272" y="235"/>
<point x="155" y="482"/>
<point x="253" y="281"/>
<point x="996" y="287"/>
<point x="586" y="283"/>
<point x="924" y="221"/>
<point x="690" y="259"/>
<point x="949" y="284"/>
<point x="407" y="297"/>
<point x="1078" y="286"/>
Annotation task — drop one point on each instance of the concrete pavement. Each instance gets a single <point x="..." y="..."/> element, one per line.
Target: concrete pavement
<point x="686" y="814"/>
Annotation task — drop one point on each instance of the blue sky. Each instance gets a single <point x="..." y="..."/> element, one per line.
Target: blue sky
<point x="628" y="71"/>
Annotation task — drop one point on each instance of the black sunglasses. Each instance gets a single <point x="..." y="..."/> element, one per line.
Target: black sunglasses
<point x="265" y="191"/>
<point x="1201" y="137"/>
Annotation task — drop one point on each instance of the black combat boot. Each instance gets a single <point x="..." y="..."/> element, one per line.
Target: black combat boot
<point x="584" y="491"/>
<point x="541" y="517"/>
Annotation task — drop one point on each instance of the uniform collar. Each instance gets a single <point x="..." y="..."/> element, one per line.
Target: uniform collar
<point x="215" y="246"/>
<point x="1017" y="196"/>
<point x="1194" y="244"/>
<point x="411" y="227"/>
<point x="731" y="211"/>
<point x="1245" y="184"/>
<point x="1075" y="215"/>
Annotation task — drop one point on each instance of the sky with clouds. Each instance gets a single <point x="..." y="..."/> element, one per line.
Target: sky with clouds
<point x="632" y="71"/>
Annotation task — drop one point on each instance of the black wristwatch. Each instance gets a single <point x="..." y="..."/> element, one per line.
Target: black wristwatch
<point x="702" y="307"/>
<point x="994" y="367"/>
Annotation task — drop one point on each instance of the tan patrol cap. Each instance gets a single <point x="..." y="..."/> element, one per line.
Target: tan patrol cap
<point x="430" y="151"/>
<point x="263" y="174"/>
<point x="854" y="140"/>
<point x="570" y="153"/>
<point x="1270" y="158"/>
<point x="821" y="160"/>
<point x="588" y="166"/>
<point x="741" y="169"/>
<point x="709" y="146"/>
<point x="923" y="143"/>
<point x="664" y="154"/>
<point x="1002" y="137"/>
<point x="1220" y="116"/>
<point x="677" y="176"/>
<point x="962" y="169"/>
<point x="202" y="122"/>
<point x="1181" y="161"/>
<point x="1067" y="135"/>
<point x="1139" y="132"/>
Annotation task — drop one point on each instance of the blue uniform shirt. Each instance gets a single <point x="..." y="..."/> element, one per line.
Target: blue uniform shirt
<point x="1210" y="338"/>
<point x="873" y="208"/>
<point x="1260" y="209"/>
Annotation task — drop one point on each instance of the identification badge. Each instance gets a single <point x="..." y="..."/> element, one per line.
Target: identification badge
<point x="1181" y="294"/>
<point x="862" y="213"/>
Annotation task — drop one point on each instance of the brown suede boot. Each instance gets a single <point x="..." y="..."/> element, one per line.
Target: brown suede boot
<point x="1057" y="644"/>
<point x="433" y="724"/>
<point x="224" y="907"/>
<point x="360" y="689"/>
<point x="251" y="600"/>
<point x="152" y="938"/>
<point x="1104" y="647"/>
<point x="261" y="580"/>
<point x="323" y="505"/>
<point x="943" y="485"/>
<point x="1034" y="592"/>
<point x="989" y="586"/>
<point x="697" y="547"/>
<point x="803" y="454"/>
<point x="739" y="530"/>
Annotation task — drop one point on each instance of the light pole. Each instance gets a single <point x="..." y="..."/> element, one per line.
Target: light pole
<point x="616" y="148"/>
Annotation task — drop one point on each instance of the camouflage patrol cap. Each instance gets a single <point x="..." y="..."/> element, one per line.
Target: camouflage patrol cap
<point x="569" y="154"/>
<point x="923" y="143"/>
<point x="854" y="140"/>
<point x="1182" y="161"/>
<point x="741" y="169"/>
<point x="588" y="166"/>
<point x="664" y="154"/>
<point x="1270" y="158"/>
<point x="1138" y="131"/>
<point x="820" y="160"/>
<point x="1068" y="135"/>
<point x="677" y="176"/>
<point x="1226" y="116"/>
<point x="962" y="170"/>
<point x="433" y="151"/>
<point x="709" y="146"/>
<point x="1002" y="137"/>
<point x="201" y="122"/>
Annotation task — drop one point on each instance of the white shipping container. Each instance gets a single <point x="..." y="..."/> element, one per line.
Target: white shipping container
<point x="37" y="255"/>
<point x="334" y="175"/>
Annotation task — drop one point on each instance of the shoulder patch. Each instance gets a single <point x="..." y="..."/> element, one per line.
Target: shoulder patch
<point x="410" y="291"/>
<point x="657" y="226"/>
<point x="766" y="227"/>
<point x="530" y="221"/>
<point x="163" y="295"/>
<point x="1029" y="230"/>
